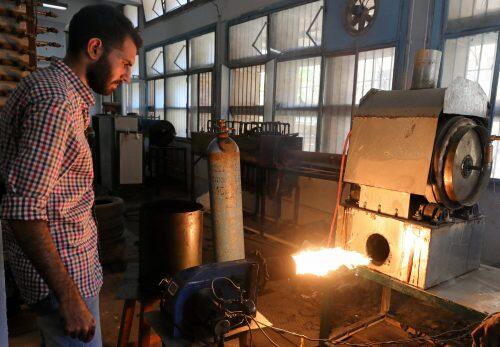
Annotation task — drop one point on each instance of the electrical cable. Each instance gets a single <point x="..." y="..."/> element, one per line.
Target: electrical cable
<point x="263" y="332"/>
<point x="415" y="339"/>
<point x="339" y="190"/>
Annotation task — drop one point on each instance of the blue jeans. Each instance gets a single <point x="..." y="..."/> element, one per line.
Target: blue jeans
<point x="52" y="329"/>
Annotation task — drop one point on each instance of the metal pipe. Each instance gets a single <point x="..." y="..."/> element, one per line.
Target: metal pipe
<point x="426" y="69"/>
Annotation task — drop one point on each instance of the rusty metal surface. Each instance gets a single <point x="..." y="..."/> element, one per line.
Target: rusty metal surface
<point x="420" y="254"/>
<point x="461" y="97"/>
<point x="401" y="103"/>
<point x="170" y="239"/>
<point x="391" y="153"/>
<point x="226" y="199"/>
<point x="426" y="69"/>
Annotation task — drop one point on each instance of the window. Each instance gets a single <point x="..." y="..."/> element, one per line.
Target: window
<point x="188" y="82"/>
<point x="171" y="5"/>
<point x="176" y="104"/>
<point x="248" y="39"/>
<point x="202" y="51"/>
<point x="132" y="13"/>
<point x="246" y="96"/>
<point x="200" y="101"/>
<point x="156" y="8"/>
<point x="135" y="68"/>
<point x="176" y="58"/>
<point x="297" y="28"/>
<point x="131" y="91"/>
<point x="156" y="99"/>
<point x="131" y="97"/>
<point x="297" y="97"/>
<point x="154" y="62"/>
<point x="471" y="57"/>
<point x="472" y="8"/>
<point x="495" y="130"/>
<point x="337" y="102"/>
<point x="152" y="9"/>
<point x="375" y="69"/>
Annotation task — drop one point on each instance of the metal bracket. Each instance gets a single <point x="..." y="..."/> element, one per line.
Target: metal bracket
<point x="257" y="38"/>
<point x="154" y="63"/>
<point x="308" y="31"/>
<point x="177" y="57"/>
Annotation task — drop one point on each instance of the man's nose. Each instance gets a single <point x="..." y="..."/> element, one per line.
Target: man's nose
<point x="127" y="77"/>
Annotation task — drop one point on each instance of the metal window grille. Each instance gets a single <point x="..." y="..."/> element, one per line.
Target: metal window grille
<point x="171" y="5"/>
<point x="202" y="51"/>
<point x="131" y="97"/>
<point x="154" y="62"/>
<point x="297" y="28"/>
<point x="472" y="8"/>
<point x="132" y="13"/>
<point x="160" y="98"/>
<point x="135" y="68"/>
<point x="176" y="57"/>
<point x="152" y="9"/>
<point x="248" y="39"/>
<point x="176" y="104"/>
<point x="375" y="70"/>
<point x="297" y="97"/>
<point x="150" y="100"/>
<point x="472" y="57"/>
<point x="337" y="102"/>
<point x="200" y="101"/>
<point x="246" y="96"/>
<point x="135" y="98"/>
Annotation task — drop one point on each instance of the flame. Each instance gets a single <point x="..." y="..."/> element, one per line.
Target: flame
<point x="322" y="261"/>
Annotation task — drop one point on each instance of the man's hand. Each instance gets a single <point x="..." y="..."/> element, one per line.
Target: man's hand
<point x="36" y="242"/>
<point x="77" y="319"/>
<point x="487" y="334"/>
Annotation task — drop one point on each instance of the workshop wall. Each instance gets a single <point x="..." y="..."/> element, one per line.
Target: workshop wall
<point x="62" y="23"/>
<point x="408" y="24"/>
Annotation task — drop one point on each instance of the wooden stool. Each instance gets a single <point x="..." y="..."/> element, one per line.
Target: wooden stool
<point x="129" y="292"/>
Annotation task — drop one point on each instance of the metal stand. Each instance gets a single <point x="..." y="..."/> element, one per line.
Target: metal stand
<point x="474" y="294"/>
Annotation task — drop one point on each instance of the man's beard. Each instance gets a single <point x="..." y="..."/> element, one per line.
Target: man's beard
<point x="99" y="76"/>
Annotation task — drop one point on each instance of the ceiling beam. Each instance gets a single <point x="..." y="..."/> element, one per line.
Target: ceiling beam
<point x="126" y="2"/>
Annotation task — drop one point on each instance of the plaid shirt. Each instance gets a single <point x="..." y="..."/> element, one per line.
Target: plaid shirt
<point x="46" y="164"/>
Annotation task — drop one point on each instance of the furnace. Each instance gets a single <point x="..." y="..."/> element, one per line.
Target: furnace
<point x="418" y="162"/>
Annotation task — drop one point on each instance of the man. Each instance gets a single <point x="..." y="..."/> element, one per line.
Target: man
<point x="49" y="232"/>
<point x="487" y="334"/>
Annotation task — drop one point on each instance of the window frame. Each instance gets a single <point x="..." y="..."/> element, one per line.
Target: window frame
<point x="188" y="72"/>
<point x="186" y="7"/>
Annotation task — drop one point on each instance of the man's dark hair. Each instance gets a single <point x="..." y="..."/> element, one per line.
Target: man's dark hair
<point x="103" y="22"/>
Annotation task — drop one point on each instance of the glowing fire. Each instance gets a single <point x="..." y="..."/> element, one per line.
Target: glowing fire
<point x="322" y="261"/>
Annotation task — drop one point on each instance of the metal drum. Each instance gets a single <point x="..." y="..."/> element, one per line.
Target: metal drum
<point x="171" y="237"/>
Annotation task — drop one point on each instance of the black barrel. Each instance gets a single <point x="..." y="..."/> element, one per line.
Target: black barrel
<point x="170" y="240"/>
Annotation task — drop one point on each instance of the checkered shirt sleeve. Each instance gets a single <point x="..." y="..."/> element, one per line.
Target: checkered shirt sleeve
<point x="36" y="169"/>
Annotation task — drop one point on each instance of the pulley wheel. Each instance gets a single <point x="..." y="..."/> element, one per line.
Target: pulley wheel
<point x="459" y="163"/>
<point x="463" y="164"/>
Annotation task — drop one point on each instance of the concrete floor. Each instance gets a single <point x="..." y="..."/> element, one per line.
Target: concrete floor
<point x="291" y="304"/>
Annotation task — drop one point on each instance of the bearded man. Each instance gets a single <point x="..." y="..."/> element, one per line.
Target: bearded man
<point x="50" y="235"/>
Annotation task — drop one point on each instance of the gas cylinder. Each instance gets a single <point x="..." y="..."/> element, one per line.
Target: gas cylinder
<point x="225" y="196"/>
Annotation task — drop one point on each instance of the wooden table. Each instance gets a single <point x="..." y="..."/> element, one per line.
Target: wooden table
<point x="129" y="291"/>
<point x="475" y="294"/>
<point x="158" y="322"/>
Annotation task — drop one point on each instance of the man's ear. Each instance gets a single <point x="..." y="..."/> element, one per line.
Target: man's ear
<point x="95" y="49"/>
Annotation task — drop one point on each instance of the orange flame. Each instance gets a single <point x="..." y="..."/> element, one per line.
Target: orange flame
<point x="322" y="261"/>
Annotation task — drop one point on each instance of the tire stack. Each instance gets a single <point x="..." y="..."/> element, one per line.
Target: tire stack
<point x="109" y="212"/>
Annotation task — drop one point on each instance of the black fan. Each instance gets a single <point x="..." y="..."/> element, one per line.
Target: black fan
<point x="161" y="133"/>
<point x="359" y="15"/>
